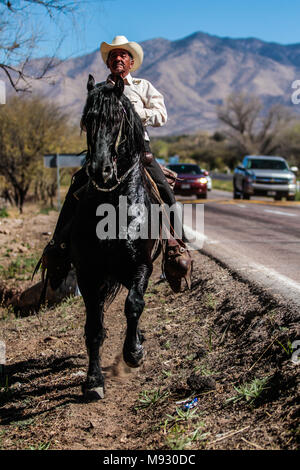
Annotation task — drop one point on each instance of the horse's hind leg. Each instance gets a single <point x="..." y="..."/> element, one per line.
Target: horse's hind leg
<point x="93" y="388"/>
<point x="133" y="350"/>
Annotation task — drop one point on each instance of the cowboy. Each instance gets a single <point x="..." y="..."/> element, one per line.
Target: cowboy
<point x="121" y="58"/>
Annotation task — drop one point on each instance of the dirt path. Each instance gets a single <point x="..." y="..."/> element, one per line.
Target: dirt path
<point x="222" y="340"/>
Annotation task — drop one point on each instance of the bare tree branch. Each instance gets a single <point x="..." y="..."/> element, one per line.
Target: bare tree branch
<point x="19" y="37"/>
<point x="249" y="130"/>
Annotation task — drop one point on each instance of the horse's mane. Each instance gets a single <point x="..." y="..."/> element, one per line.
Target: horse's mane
<point x="104" y="109"/>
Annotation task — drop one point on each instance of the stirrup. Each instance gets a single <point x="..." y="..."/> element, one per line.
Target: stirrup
<point x="177" y="264"/>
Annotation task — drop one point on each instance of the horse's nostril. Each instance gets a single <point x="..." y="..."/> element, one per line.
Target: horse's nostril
<point x="107" y="173"/>
<point x="107" y="170"/>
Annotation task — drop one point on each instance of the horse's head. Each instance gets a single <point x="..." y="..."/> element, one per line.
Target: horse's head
<point x="115" y="135"/>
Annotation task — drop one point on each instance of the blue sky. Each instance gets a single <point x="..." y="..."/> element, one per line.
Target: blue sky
<point x="101" y="20"/>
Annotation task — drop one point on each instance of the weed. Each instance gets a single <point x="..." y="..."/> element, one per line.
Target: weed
<point x="209" y="340"/>
<point x="7" y="312"/>
<point x="180" y="431"/>
<point x="45" y="210"/>
<point x="205" y="371"/>
<point x="23" y="424"/>
<point x="148" y="398"/>
<point x="288" y="348"/>
<point x="191" y="357"/>
<point x="182" y="415"/>
<point x="41" y="446"/>
<point x="20" y="269"/>
<point x="210" y="302"/>
<point x="177" y="440"/>
<point x="3" y="212"/>
<point x="249" y="391"/>
<point x="167" y="373"/>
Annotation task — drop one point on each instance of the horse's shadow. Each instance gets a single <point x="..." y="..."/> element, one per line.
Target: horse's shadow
<point x="19" y="403"/>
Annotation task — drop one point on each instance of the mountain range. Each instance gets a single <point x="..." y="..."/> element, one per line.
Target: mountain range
<point x="194" y="74"/>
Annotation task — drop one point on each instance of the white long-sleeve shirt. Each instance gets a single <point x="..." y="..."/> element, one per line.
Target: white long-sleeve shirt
<point x="148" y="102"/>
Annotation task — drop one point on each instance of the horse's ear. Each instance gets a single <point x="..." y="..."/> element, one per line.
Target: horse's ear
<point x="119" y="86"/>
<point x="90" y="83"/>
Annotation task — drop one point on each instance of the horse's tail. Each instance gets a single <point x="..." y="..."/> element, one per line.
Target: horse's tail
<point x="112" y="288"/>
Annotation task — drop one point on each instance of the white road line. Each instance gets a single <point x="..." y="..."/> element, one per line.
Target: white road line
<point x="274" y="275"/>
<point x="268" y="274"/>
<point x="196" y="239"/>
<point x="280" y="212"/>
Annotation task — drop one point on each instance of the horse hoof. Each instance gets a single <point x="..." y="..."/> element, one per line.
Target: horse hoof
<point x="96" y="393"/>
<point x="133" y="359"/>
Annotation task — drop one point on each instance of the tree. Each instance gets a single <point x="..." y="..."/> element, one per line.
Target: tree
<point x="248" y="129"/>
<point x="160" y="148"/>
<point x="290" y="144"/>
<point x="29" y="128"/>
<point x="20" y="36"/>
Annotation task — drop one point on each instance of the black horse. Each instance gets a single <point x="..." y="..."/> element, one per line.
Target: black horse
<point x="115" y="139"/>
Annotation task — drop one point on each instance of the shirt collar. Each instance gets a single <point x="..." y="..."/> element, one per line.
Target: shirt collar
<point x="127" y="79"/>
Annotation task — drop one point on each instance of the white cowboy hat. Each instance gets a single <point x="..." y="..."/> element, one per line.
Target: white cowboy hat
<point x="121" y="42"/>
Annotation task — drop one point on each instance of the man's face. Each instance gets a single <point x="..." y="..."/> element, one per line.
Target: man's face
<point x="120" y="62"/>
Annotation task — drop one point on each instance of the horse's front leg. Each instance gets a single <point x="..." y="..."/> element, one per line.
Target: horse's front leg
<point x="133" y="351"/>
<point x="93" y="388"/>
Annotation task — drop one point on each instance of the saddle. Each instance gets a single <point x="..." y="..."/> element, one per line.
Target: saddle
<point x="170" y="175"/>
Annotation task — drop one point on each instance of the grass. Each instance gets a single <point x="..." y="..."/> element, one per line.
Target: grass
<point x="204" y="370"/>
<point x="167" y="373"/>
<point x="41" y="446"/>
<point x="224" y="185"/>
<point x="179" y="439"/>
<point x="149" y="398"/>
<point x="182" y="415"/>
<point x="3" y="212"/>
<point x="20" y="269"/>
<point x="210" y="301"/>
<point x="45" y="210"/>
<point x="288" y="349"/>
<point x="23" y="424"/>
<point x="249" y="392"/>
<point x="183" y="428"/>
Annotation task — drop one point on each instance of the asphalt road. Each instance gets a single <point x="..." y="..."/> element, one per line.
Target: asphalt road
<point x="259" y="239"/>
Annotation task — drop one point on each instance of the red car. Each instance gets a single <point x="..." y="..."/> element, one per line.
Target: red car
<point x="192" y="180"/>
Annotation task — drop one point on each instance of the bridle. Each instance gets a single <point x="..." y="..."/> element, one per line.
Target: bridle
<point x="118" y="142"/>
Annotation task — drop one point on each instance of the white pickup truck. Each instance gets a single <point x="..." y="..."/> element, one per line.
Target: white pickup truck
<point x="264" y="176"/>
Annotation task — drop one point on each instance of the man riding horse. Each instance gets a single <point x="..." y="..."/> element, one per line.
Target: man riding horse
<point x="123" y="57"/>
